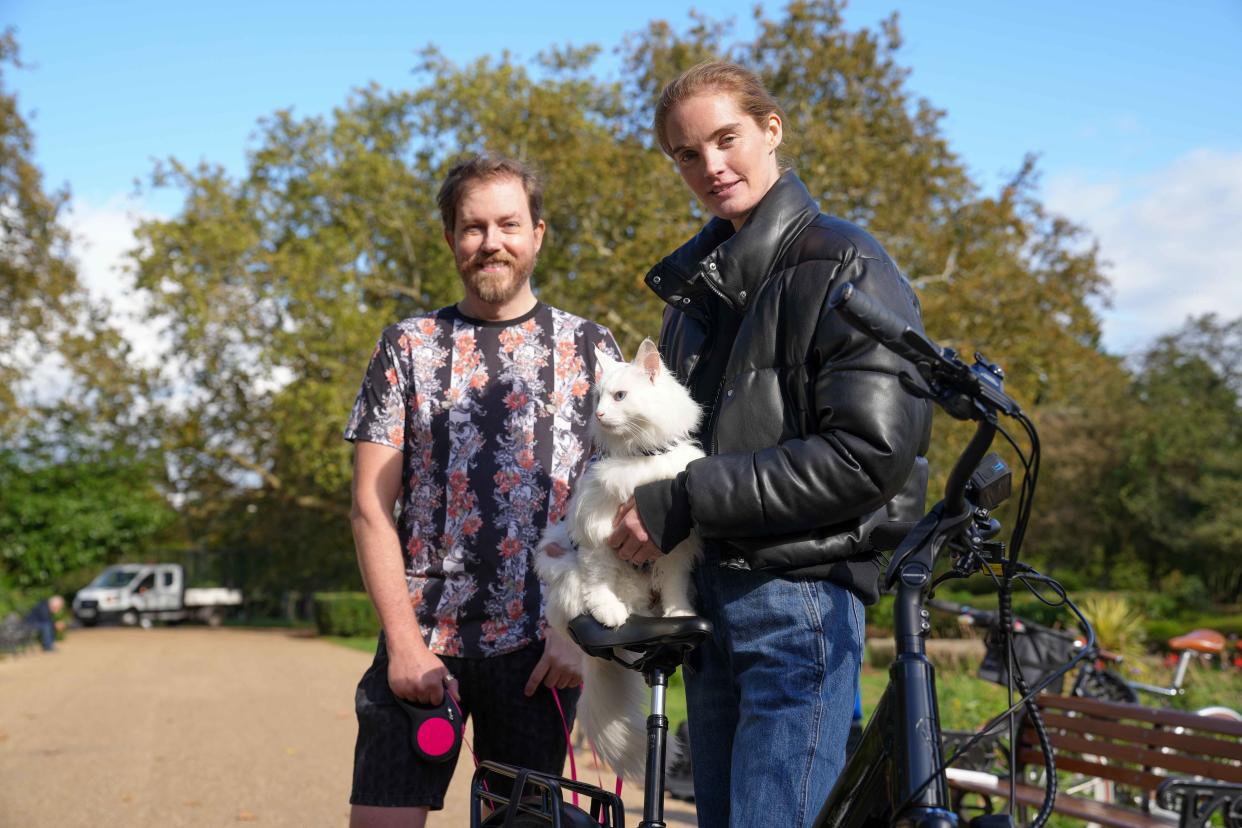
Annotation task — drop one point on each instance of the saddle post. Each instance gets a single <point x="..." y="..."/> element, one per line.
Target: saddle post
<point x="657" y="732"/>
<point x="656" y="647"/>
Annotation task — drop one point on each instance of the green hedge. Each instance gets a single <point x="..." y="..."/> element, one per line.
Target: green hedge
<point x="1160" y="631"/>
<point x="345" y="613"/>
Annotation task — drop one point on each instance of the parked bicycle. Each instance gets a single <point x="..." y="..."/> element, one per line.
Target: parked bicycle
<point x="1041" y="650"/>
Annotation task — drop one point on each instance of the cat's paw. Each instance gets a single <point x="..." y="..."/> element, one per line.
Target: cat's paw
<point x="611" y="615"/>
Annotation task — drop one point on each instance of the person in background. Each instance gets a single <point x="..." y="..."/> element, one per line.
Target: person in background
<point x="42" y="617"/>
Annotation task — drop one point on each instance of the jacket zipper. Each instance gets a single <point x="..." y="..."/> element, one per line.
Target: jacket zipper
<point x="711" y="423"/>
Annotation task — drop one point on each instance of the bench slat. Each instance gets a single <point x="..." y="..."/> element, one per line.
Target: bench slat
<point x="1205" y="745"/>
<point x="1136" y="712"/>
<point x="1085" y="809"/>
<point x="1074" y="764"/>
<point x="1179" y="764"/>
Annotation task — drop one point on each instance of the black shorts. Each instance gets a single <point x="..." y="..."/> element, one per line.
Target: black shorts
<point x="507" y="727"/>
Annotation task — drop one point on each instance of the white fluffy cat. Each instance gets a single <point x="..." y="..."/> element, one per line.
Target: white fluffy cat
<point x="643" y="422"/>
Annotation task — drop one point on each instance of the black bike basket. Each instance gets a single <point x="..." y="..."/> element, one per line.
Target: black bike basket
<point x="1038" y="651"/>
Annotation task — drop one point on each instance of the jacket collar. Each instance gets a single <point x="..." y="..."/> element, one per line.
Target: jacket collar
<point x="733" y="265"/>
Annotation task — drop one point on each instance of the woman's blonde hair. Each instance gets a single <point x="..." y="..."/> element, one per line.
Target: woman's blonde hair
<point x="748" y="92"/>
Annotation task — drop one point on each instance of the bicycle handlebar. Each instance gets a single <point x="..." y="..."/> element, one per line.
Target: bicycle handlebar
<point x="968" y="392"/>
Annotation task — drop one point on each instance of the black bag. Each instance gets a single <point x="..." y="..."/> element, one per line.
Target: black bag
<point x="1037" y="650"/>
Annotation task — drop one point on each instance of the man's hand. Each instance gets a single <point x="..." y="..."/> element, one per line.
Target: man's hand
<point x="629" y="537"/>
<point x="560" y="666"/>
<point x="420" y="677"/>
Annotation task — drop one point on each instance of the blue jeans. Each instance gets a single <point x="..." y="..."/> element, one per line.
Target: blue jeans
<point x="47" y="634"/>
<point x="770" y="696"/>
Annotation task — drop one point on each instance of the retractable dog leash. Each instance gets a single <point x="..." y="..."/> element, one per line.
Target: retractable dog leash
<point x="436" y="729"/>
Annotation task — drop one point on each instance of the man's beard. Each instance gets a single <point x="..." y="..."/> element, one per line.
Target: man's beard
<point x="496" y="288"/>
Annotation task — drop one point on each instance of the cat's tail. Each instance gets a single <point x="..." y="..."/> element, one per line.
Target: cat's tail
<point x="613" y="714"/>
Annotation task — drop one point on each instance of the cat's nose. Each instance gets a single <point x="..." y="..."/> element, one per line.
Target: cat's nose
<point x="599" y="415"/>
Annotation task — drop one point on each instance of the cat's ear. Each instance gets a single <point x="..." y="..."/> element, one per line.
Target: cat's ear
<point x="648" y="358"/>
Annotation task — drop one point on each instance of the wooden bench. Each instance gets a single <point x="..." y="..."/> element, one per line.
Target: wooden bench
<point x="1159" y="767"/>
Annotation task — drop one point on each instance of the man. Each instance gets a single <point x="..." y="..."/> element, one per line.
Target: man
<point x="42" y="617"/>
<point x="475" y="417"/>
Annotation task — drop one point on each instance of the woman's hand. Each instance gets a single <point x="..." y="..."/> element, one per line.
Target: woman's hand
<point x="629" y="537"/>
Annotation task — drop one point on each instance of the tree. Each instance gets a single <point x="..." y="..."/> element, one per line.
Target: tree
<point x="1178" y="492"/>
<point x="63" y="520"/>
<point x="39" y="287"/>
<point x="274" y="285"/>
<point x="79" y="481"/>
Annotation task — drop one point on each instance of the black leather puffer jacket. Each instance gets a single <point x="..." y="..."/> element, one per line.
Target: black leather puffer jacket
<point x="811" y="438"/>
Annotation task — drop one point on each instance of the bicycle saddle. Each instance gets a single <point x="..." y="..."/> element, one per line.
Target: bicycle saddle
<point x="654" y="641"/>
<point x="1201" y="641"/>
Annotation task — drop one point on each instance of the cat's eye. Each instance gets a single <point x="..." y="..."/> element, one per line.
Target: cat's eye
<point x="618" y="395"/>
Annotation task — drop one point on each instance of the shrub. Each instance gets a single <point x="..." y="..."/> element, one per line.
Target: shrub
<point x="345" y="613"/>
<point x="1178" y="595"/>
<point x="1118" y="624"/>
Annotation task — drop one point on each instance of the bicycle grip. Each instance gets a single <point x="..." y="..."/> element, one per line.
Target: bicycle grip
<point x="881" y="324"/>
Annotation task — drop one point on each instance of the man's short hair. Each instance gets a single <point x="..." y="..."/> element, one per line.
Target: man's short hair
<point x="483" y="168"/>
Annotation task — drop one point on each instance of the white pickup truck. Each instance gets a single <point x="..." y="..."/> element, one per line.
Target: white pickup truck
<point x="139" y="594"/>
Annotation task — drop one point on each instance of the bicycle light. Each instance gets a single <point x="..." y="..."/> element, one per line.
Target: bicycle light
<point x="991" y="482"/>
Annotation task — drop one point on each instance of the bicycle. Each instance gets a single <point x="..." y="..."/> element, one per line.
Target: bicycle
<point x="1042" y="649"/>
<point x="896" y="776"/>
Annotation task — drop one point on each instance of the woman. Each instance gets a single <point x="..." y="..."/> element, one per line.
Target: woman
<point x="811" y="441"/>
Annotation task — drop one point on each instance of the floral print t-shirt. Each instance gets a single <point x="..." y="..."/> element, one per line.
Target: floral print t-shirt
<point x="491" y="418"/>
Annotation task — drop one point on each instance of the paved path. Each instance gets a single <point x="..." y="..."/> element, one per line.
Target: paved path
<point x="193" y="727"/>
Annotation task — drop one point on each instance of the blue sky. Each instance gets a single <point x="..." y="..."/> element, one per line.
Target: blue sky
<point x="1132" y="106"/>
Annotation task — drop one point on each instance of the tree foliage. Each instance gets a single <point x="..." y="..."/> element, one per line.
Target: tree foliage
<point x="1178" y="487"/>
<point x="39" y="287"/>
<point x="275" y="283"/>
<point x="78" y="482"/>
<point x="66" y="518"/>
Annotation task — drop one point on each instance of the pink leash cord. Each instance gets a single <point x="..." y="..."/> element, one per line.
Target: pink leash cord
<point x="464" y="740"/>
<point x="573" y="766"/>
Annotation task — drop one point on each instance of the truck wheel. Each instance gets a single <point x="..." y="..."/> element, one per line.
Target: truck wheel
<point x="214" y="618"/>
<point x="130" y="618"/>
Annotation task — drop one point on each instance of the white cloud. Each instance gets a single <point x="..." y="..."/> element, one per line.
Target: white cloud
<point x="102" y="235"/>
<point x="1173" y="238"/>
